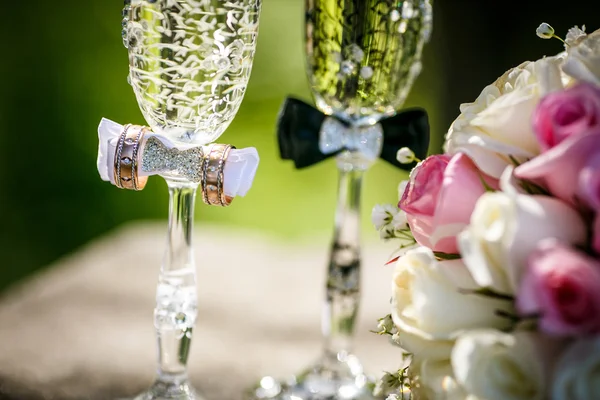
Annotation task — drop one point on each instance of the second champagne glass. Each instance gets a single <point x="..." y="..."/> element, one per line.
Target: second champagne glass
<point x="362" y="58"/>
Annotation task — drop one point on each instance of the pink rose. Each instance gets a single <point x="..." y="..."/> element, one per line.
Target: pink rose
<point x="562" y="286"/>
<point x="570" y="171"/>
<point x="589" y="181"/>
<point x="440" y="198"/>
<point x="571" y="112"/>
<point x="596" y="238"/>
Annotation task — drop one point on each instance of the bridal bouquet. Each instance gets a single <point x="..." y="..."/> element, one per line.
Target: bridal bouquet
<point x="496" y="293"/>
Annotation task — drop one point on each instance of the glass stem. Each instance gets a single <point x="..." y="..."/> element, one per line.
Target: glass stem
<point x="176" y="295"/>
<point x="343" y="276"/>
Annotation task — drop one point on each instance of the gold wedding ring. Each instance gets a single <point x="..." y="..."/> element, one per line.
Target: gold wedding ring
<point x="213" y="176"/>
<point x="127" y="158"/>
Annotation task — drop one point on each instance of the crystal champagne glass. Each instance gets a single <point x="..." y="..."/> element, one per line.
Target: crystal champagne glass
<point x="362" y="58"/>
<point x="190" y="61"/>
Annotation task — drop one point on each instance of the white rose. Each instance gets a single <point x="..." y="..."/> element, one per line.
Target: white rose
<point x="583" y="58"/>
<point x="493" y="365"/>
<point x="437" y="381"/>
<point x="574" y="36"/>
<point x="430" y="308"/>
<point x="497" y="126"/>
<point x="504" y="230"/>
<point x="577" y="376"/>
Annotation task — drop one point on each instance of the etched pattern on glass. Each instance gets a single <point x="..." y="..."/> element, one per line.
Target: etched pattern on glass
<point x="190" y="62"/>
<point x="363" y="56"/>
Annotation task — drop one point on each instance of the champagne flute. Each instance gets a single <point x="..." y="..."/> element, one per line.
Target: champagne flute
<point x="190" y="61"/>
<point x="362" y="58"/>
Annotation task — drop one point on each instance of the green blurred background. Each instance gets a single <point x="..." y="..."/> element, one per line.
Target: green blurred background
<point x="64" y="67"/>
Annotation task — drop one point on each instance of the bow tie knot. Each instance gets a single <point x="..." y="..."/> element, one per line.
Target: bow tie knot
<point x="336" y="136"/>
<point x="307" y="136"/>
<point x="158" y="158"/>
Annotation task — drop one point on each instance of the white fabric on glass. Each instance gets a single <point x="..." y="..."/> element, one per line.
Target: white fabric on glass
<point x="239" y="170"/>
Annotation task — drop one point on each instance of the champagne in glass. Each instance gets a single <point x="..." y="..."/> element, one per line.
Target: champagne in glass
<point x="190" y="61"/>
<point x="362" y="58"/>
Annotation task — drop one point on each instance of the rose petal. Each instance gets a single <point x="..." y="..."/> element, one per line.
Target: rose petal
<point x="596" y="238"/>
<point x="505" y="117"/>
<point x="589" y="182"/>
<point x="560" y="166"/>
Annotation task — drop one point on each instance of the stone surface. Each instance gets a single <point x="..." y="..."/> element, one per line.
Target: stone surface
<point x="82" y="329"/>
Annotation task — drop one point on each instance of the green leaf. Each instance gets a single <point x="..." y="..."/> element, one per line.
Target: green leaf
<point x="514" y="161"/>
<point x="532" y="188"/>
<point x="487" y="187"/>
<point x="507" y="315"/>
<point x="487" y="292"/>
<point x="446" y="256"/>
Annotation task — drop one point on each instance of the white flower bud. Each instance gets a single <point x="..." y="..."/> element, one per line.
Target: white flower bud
<point x="405" y="156"/>
<point x="545" y="31"/>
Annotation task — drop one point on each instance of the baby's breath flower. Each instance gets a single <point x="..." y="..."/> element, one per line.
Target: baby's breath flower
<point x="388" y="383"/>
<point x="385" y="325"/>
<point x="399" y="221"/>
<point x="382" y="215"/>
<point x="388" y="232"/>
<point x="545" y="31"/>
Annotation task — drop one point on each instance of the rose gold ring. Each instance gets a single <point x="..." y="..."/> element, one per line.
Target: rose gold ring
<point x="127" y="160"/>
<point x="213" y="176"/>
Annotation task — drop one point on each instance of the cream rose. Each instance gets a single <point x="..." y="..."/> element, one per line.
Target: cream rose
<point x="505" y="229"/>
<point x="437" y="381"/>
<point x="497" y="126"/>
<point x="583" y="58"/>
<point x="430" y="306"/>
<point x="577" y="376"/>
<point x="493" y="365"/>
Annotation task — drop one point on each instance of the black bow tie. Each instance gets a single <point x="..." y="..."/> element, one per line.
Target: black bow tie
<point x="307" y="136"/>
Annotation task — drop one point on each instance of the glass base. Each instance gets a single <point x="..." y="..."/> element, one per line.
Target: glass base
<point x="175" y="390"/>
<point x="339" y="379"/>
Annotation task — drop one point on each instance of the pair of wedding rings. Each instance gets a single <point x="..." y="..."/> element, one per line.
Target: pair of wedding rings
<point x="210" y="168"/>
